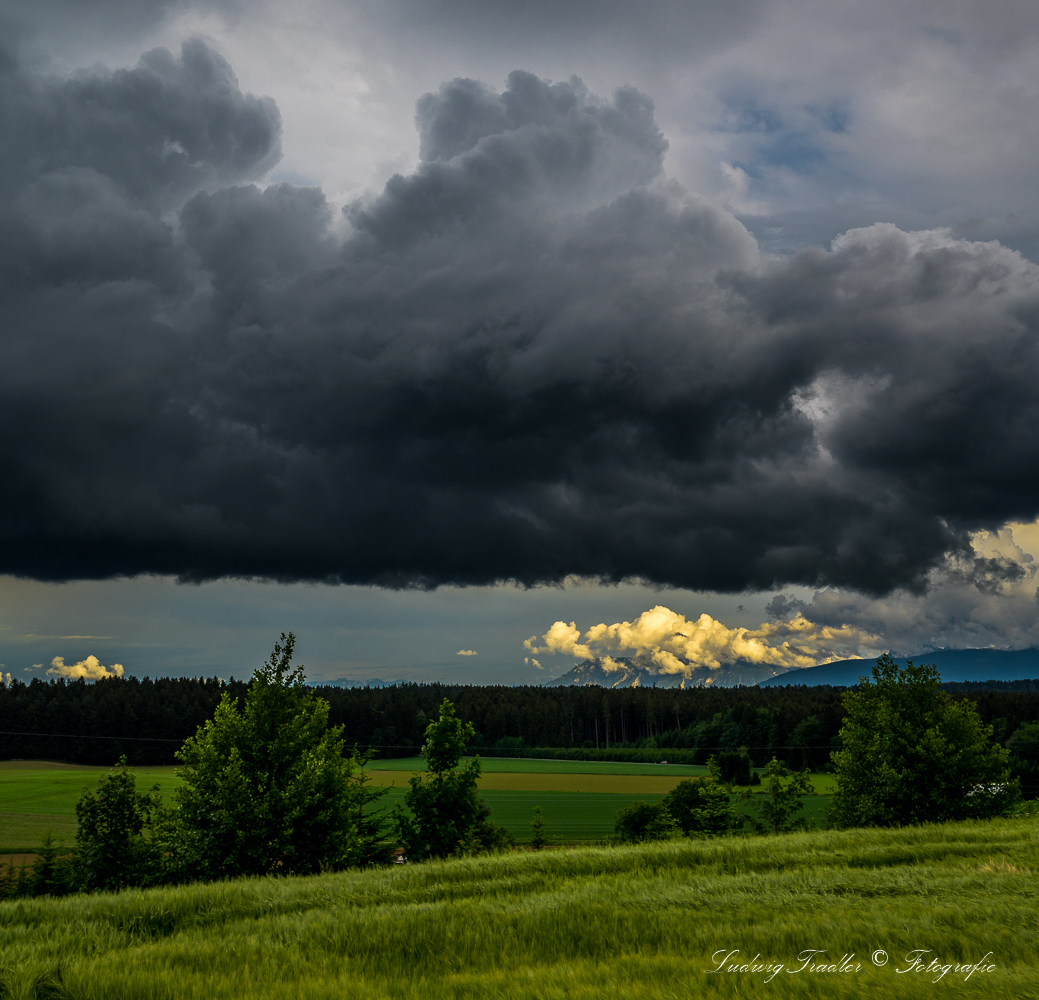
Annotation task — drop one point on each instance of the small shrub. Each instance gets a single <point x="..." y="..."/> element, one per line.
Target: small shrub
<point x="777" y="804"/>
<point x="701" y="807"/>
<point x="488" y="836"/>
<point x="641" y="821"/>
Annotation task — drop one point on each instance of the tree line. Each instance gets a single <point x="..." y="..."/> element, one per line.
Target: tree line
<point x="147" y="720"/>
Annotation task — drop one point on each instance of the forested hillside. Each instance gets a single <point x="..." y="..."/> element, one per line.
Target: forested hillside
<point x="148" y="719"/>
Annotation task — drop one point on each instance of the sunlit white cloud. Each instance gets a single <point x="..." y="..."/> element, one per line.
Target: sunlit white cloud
<point x="90" y="669"/>
<point x="666" y="642"/>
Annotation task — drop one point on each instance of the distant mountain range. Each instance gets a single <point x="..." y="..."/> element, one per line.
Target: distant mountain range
<point x="347" y="682"/>
<point x="632" y="674"/>
<point x="952" y="664"/>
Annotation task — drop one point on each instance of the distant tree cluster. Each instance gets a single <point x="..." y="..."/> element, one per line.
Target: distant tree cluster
<point x="96" y="723"/>
<point x="147" y="721"/>
<point x="703" y="807"/>
<point x="909" y="753"/>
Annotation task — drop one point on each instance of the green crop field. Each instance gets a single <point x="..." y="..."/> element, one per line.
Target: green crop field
<point x="35" y="802"/>
<point x="823" y="783"/>
<point x="518" y="765"/>
<point x="582" y="816"/>
<point x="37" y="799"/>
<point x="642" y="923"/>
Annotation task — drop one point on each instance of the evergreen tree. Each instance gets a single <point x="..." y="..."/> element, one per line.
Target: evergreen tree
<point x="537" y="825"/>
<point x="51" y="873"/>
<point x="368" y="843"/>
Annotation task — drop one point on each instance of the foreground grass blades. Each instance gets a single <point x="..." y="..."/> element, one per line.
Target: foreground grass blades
<point x="627" y="922"/>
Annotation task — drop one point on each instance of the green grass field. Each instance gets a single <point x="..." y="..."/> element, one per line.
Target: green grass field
<point x="36" y="799"/>
<point x="568" y="817"/>
<point x="644" y="923"/>
<point x="516" y="765"/>
<point x="823" y="783"/>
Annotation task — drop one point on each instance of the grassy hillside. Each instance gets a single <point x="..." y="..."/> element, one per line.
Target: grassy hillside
<point x="578" y="924"/>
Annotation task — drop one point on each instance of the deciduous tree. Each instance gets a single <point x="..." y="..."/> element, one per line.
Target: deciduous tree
<point x="911" y="754"/>
<point x="1023" y="747"/>
<point x="444" y="806"/>
<point x="115" y="841"/>
<point x="266" y="787"/>
<point x="778" y="803"/>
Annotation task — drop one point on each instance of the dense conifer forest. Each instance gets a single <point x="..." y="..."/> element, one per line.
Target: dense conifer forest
<point x="147" y="720"/>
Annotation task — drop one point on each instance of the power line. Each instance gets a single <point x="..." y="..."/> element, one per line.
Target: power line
<point x="411" y="746"/>
<point x="76" y="736"/>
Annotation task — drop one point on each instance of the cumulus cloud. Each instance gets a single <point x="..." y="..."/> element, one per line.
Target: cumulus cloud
<point x="468" y="652"/>
<point x="985" y="598"/>
<point x="90" y="669"/>
<point x="533" y="356"/>
<point x="665" y="642"/>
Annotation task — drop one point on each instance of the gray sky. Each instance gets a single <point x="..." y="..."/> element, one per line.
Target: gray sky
<point x="589" y="319"/>
<point x="156" y="627"/>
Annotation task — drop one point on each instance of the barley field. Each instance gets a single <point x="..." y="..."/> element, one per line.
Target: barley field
<point x="654" y="921"/>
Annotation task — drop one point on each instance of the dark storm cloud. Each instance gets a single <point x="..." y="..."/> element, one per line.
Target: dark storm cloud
<point x="530" y="358"/>
<point x="159" y="131"/>
<point x="784" y="606"/>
